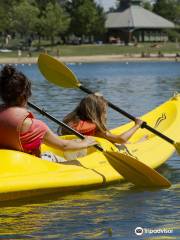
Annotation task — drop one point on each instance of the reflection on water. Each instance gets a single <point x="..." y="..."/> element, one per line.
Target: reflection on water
<point x="115" y="211"/>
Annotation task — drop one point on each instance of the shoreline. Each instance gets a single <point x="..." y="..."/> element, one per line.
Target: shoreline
<point x="95" y="58"/>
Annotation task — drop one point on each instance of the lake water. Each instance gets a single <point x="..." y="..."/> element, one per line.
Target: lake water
<point x="112" y="212"/>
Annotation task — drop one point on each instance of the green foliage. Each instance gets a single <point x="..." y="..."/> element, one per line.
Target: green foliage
<point x="123" y="4"/>
<point x="50" y="18"/>
<point x="177" y="13"/>
<point x="2" y="19"/>
<point x="173" y="35"/>
<point x="6" y="8"/>
<point x="25" y="17"/>
<point x="147" y="5"/>
<point x="87" y="18"/>
<point x="99" y="26"/>
<point x="56" y="22"/>
<point x="42" y="4"/>
<point x="168" y="9"/>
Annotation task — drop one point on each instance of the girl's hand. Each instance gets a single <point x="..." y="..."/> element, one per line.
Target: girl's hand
<point x="138" y="122"/>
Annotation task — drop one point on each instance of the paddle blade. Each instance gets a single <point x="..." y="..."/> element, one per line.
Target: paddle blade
<point x="135" y="171"/>
<point x="57" y="72"/>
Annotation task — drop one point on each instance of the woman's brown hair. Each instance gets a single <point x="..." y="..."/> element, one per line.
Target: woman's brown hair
<point x="15" y="88"/>
<point x="91" y="108"/>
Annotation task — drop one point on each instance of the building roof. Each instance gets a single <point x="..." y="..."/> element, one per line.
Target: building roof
<point x="136" y="17"/>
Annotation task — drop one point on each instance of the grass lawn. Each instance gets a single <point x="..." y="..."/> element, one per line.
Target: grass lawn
<point x="104" y="49"/>
<point x="108" y="49"/>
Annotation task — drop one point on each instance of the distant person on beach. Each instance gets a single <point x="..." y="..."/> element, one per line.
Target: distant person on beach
<point x="19" y="129"/>
<point x="19" y="53"/>
<point x="89" y="118"/>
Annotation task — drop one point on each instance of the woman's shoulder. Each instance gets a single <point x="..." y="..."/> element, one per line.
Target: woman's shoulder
<point x="34" y="125"/>
<point x="39" y="123"/>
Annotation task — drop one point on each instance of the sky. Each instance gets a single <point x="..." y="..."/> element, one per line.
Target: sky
<point x="107" y="3"/>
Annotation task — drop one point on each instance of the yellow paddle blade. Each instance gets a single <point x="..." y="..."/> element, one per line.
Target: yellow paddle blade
<point x="135" y="171"/>
<point x="57" y="72"/>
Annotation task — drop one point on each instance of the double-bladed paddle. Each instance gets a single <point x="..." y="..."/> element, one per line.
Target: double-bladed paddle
<point x="128" y="166"/>
<point x="58" y="73"/>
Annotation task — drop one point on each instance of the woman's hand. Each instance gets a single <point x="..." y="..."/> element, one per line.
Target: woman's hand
<point x="89" y="141"/>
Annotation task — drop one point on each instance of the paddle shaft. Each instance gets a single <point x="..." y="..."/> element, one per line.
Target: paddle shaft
<point x="144" y="125"/>
<point x="43" y="112"/>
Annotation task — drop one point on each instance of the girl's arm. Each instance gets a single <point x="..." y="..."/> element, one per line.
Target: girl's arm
<point x="124" y="137"/>
<point x="54" y="141"/>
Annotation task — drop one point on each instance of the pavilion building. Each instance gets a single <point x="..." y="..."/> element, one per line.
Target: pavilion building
<point x="134" y="23"/>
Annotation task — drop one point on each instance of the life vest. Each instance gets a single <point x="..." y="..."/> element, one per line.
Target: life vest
<point x="85" y="127"/>
<point x="11" y="120"/>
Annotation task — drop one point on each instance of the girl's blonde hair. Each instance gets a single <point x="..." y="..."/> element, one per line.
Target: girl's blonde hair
<point x="91" y="108"/>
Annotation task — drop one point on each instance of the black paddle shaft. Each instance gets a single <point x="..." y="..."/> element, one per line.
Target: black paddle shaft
<point x="144" y="125"/>
<point x="43" y="112"/>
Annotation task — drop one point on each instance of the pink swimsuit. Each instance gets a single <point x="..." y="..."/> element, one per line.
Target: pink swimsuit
<point x="32" y="139"/>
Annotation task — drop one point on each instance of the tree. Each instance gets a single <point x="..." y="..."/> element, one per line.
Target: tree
<point x="87" y="18"/>
<point x="3" y="19"/>
<point x="99" y="27"/>
<point x="167" y="9"/>
<point x="56" y="21"/>
<point x="147" y="5"/>
<point x="6" y="8"/>
<point x="42" y="4"/>
<point x="25" y="17"/>
<point x="177" y="14"/>
<point x="40" y="25"/>
<point x="123" y="4"/>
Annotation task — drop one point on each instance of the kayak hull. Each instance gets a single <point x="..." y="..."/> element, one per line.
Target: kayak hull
<point x="23" y="175"/>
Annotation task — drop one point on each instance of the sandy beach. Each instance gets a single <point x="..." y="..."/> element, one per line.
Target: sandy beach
<point x="97" y="58"/>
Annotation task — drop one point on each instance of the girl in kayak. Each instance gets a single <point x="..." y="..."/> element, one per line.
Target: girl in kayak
<point x="19" y="129"/>
<point x="89" y="118"/>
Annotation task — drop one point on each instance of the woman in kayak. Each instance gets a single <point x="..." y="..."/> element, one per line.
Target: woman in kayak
<point x="19" y="129"/>
<point x="89" y="118"/>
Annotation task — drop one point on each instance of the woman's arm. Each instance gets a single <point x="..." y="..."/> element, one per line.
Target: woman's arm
<point x="53" y="140"/>
<point x="124" y="137"/>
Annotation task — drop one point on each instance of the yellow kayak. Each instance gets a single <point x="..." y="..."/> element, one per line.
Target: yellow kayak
<point x="23" y="175"/>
